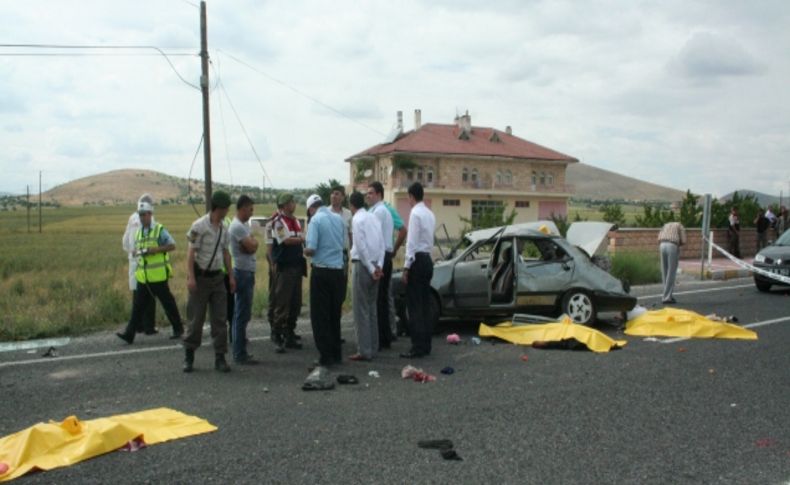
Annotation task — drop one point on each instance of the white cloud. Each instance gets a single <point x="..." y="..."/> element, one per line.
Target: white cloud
<point x="675" y="93"/>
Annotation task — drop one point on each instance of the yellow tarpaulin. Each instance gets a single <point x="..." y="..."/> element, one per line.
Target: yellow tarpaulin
<point x="551" y="332"/>
<point x="674" y="322"/>
<point x="51" y="445"/>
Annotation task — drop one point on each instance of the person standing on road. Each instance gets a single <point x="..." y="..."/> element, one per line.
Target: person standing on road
<point x="242" y="249"/>
<point x="734" y="232"/>
<point x="399" y="228"/>
<point x="147" y="323"/>
<point x="375" y="200"/>
<point x="152" y="247"/>
<point x="761" y="225"/>
<point x="670" y="238"/>
<point x="289" y="269"/>
<point x="417" y="273"/>
<point x="367" y="258"/>
<point x="208" y="251"/>
<point x="336" y="199"/>
<point x="325" y="241"/>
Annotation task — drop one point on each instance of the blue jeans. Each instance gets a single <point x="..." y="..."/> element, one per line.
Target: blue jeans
<point x="245" y="287"/>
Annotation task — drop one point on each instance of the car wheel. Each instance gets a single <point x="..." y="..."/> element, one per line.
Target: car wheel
<point x="762" y="285"/>
<point x="579" y="306"/>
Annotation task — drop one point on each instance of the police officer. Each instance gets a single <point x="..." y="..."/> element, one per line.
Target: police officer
<point x="208" y="252"/>
<point x="152" y="247"/>
<point x="289" y="269"/>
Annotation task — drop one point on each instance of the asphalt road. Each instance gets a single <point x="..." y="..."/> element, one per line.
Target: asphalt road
<point x="667" y="411"/>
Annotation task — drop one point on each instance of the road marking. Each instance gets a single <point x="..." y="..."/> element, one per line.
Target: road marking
<point x="109" y="353"/>
<point x="751" y="325"/>
<point x="33" y="344"/>
<point x="706" y="290"/>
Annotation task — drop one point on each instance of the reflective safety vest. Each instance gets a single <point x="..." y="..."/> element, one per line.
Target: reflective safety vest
<point x="151" y="268"/>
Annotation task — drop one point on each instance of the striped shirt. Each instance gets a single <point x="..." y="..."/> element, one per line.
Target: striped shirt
<point x="673" y="232"/>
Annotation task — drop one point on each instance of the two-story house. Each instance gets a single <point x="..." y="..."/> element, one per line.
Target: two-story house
<point x="466" y="171"/>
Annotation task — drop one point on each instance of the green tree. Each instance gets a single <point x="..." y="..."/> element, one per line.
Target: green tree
<point x="489" y="218"/>
<point x="613" y="213"/>
<point x="654" y="216"/>
<point x="690" y="211"/>
<point x="324" y="190"/>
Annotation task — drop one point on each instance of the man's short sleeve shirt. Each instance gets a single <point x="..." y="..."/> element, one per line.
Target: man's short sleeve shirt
<point x="203" y="237"/>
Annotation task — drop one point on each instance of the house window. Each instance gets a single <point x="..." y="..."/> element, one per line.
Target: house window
<point x="534" y="178"/>
<point x="498" y="177"/>
<point x="465" y="176"/>
<point x="509" y="177"/>
<point x="522" y="204"/>
<point x="410" y="175"/>
<point x="487" y="211"/>
<point x="474" y="175"/>
<point x="551" y="179"/>
<point x="542" y="178"/>
<point x="419" y="174"/>
<point x="429" y="176"/>
<point x="451" y="202"/>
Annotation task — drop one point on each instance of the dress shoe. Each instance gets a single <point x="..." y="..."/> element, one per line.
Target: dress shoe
<point x="124" y="338"/>
<point x="246" y="360"/>
<point x="412" y="355"/>
<point x="220" y="365"/>
<point x="176" y="336"/>
<point x="359" y="358"/>
<point x="670" y="301"/>
<point x="189" y="360"/>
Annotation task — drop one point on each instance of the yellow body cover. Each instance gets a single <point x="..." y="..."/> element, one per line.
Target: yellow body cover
<point x="551" y="332"/>
<point x="674" y="322"/>
<point x="51" y="445"/>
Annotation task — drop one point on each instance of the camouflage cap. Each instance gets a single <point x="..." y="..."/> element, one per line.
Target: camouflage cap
<point x="220" y="199"/>
<point x="285" y="198"/>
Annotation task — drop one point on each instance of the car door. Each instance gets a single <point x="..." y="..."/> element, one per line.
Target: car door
<point x="545" y="272"/>
<point x="472" y="272"/>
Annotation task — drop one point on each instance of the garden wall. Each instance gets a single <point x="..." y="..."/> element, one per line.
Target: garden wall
<point x="646" y="240"/>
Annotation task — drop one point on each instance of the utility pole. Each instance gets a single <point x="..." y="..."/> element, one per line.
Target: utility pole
<point x="204" y="90"/>
<point x="27" y="204"/>
<point x="39" y="201"/>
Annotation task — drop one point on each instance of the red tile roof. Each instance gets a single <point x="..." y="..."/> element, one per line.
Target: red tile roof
<point x="437" y="138"/>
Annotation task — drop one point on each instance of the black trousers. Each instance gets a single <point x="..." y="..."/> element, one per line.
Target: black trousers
<point x="231" y="307"/>
<point x="326" y="306"/>
<point x="148" y="322"/>
<point x="383" y="303"/>
<point x="144" y="298"/>
<point x="418" y="295"/>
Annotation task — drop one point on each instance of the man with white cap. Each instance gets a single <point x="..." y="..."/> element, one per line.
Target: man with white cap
<point x="152" y="247"/>
<point x="324" y="244"/>
<point x="149" y="314"/>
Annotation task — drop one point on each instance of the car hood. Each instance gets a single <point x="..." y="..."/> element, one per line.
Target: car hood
<point x="592" y="237"/>
<point x="776" y="252"/>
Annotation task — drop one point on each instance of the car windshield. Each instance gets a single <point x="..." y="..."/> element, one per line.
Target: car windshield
<point x="784" y="239"/>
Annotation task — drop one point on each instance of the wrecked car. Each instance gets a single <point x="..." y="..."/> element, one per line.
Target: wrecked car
<point x="774" y="259"/>
<point x="524" y="268"/>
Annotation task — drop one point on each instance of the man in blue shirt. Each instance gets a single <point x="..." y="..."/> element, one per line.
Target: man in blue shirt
<point x="324" y="244"/>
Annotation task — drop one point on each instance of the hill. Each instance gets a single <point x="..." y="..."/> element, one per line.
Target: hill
<point x="592" y="183"/>
<point x="763" y="199"/>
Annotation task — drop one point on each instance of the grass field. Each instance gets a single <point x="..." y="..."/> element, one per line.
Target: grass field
<point x="72" y="277"/>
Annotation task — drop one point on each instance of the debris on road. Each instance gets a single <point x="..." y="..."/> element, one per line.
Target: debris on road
<point x="418" y="375"/>
<point x="524" y="357"/>
<point x="552" y="335"/>
<point x="374" y="374"/>
<point x="444" y="446"/>
<point x="46" y="446"/>
<point x="347" y="379"/>
<point x="447" y="371"/>
<point x="453" y="339"/>
<point x="675" y="322"/>
<point x="319" y="380"/>
<point x="475" y="340"/>
<point x="51" y="352"/>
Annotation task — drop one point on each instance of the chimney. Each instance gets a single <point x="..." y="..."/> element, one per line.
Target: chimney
<point x="400" y="121"/>
<point x="464" y="125"/>
<point x="508" y="130"/>
<point x="417" y="119"/>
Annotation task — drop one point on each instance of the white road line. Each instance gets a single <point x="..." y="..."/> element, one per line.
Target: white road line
<point x="706" y="290"/>
<point x="751" y="325"/>
<point x="33" y="344"/>
<point x="45" y="360"/>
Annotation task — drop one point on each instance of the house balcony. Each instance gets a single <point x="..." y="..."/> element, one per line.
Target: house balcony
<point x="487" y="185"/>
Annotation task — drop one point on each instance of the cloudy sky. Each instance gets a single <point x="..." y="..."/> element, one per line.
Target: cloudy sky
<point x="681" y="93"/>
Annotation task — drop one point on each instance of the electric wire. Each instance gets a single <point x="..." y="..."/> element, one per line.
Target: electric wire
<point x="299" y="92"/>
<point x="100" y="47"/>
<point x="189" y="176"/>
<point x="244" y="130"/>
<point x="224" y="128"/>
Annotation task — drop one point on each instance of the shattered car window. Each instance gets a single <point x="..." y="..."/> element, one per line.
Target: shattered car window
<point x="481" y="252"/>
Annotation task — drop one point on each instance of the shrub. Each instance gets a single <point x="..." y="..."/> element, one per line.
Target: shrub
<point x="637" y="268"/>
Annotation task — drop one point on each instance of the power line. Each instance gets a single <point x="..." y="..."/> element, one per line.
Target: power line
<point x="102" y="47"/>
<point x="300" y="93"/>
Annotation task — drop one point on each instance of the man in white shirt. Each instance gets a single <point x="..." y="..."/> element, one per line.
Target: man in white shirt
<point x="375" y="200"/>
<point x="418" y="272"/>
<point x="367" y="257"/>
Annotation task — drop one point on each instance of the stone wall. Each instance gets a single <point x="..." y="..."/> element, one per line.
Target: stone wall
<point x="646" y="240"/>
